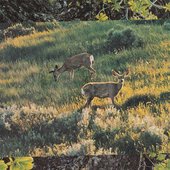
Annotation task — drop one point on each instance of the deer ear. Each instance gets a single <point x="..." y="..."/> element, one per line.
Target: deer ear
<point x="114" y="73"/>
<point x="56" y="66"/>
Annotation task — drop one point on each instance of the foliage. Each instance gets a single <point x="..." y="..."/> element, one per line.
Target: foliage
<point x="141" y="9"/>
<point x="101" y="16"/>
<point x="167" y="7"/>
<point x="124" y="39"/>
<point x="133" y="9"/>
<point x="3" y="166"/>
<point x="150" y="141"/>
<point x="18" y="163"/>
<point x="124" y="142"/>
<point x="84" y="147"/>
<point x="165" y="165"/>
<point x="105" y="138"/>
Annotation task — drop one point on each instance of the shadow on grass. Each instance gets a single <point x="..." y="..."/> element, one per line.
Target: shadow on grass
<point x="165" y="96"/>
<point x="95" y="107"/>
<point x="32" y="52"/>
<point x="134" y="101"/>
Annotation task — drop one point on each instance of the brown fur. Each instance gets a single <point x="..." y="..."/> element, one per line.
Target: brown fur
<point x="74" y="62"/>
<point x="103" y="89"/>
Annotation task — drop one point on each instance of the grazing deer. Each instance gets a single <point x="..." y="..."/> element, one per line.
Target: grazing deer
<point x="104" y="89"/>
<point x="74" y="62"/>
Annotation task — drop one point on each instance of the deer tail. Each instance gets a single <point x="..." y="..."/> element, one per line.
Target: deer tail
<point x="91" y="59"/>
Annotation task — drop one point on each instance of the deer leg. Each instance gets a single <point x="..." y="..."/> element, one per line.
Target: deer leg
<point x="88" y="101"/>
<point x="113" y="102"/>
<point x="56" y="77"/>
<point x="91" y="70"/>
<point x="72" y="74"/>
<point x="115" y="105"/>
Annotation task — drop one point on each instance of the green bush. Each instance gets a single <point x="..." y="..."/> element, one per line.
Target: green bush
<point x="125" y="144"/>
<point x="118" y="40"/>
<point x="105" y="138"/>
<point x="150" y="141"/>
<point x="84" y="147"/>
<point x="115" y="140"/>
<point x="58" y="131"/>
<point x="17" y="30"/>
<point x="8" y="126"/>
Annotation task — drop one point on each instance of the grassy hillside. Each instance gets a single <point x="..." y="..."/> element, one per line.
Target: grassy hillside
<point x="42" y="117"/>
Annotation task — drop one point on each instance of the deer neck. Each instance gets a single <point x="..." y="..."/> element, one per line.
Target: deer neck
<point x="120" y="85"/>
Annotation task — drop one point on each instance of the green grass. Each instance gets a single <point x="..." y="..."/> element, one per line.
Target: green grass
<point x="34" y="101"/>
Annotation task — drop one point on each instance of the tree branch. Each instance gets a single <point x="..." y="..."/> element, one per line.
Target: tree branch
<point x="155" y="5"/>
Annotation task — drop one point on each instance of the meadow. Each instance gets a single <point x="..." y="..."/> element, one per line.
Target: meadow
<point x="41" y="117"/>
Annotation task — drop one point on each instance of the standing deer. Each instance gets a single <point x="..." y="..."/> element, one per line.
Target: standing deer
<point x="104" y="89"/>
<point x="74" y="62"/>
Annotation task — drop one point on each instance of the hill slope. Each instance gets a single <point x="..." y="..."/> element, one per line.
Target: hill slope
<point x="42" y="117"/>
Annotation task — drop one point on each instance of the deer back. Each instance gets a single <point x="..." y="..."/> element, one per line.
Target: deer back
<point x="77" y="61"/>
<point x="101" y="89"/>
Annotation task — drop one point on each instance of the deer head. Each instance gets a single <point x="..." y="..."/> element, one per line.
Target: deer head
<point x="120" y="77"/>
<point x="55" y="72"/>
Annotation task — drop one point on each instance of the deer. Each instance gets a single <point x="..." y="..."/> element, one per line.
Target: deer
<point x="104" y="89"/>
<point x="72" y="63"/>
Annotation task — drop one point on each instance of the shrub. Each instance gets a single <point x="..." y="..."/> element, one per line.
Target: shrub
<point x="166" y="26"/>
<point x="105" y="139"/>
<point x="84" y="147"/>
<point x="7" y="126"/>
<point x="17" y="30"/>
<point x="58" y="131"/>
<point x="115" y="140"/>
<point x="125" y="144"/>
<point x="150" y="141"/>
<point x="118" y="40"/>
